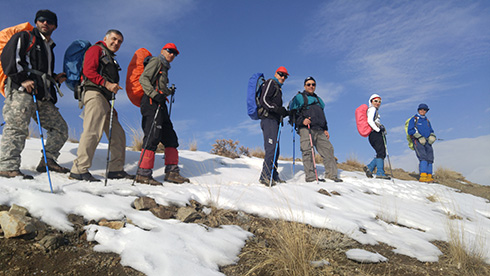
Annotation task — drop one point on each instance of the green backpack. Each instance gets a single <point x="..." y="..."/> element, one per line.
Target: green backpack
<point x="409" y="137"/>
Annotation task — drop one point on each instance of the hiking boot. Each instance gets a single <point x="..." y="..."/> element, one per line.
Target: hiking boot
<point x="278" y="180"/>
<point x="83" y="177"/>
<point x="336" y="179"/>
<point x="267" y="182"/>
<point x="11" y="174"/>
<point x="383" y="177"/>
<point x="119" y="175"/>
<point x="147" y="180"/>
<point x="368" y="172"/>
<point x="430" y="179"/>
<point x="52" y="166"/>
<point x="176" y="178"/>
<point x="319" y="180"/>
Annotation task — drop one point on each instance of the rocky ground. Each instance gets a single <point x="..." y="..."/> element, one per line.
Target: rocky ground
<point x="50" y="252"/>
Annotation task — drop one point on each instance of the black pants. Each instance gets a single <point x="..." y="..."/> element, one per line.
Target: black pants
<point x="270" y="128"/>
<point x="378" y="144"/>
<point x="163" y="129"/>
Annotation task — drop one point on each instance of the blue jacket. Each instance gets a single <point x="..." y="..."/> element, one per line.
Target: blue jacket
<point x="313" y="109"/>
<point x="423" y="126"/>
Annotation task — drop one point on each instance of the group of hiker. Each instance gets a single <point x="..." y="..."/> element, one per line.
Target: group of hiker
<point x="306" y="112"/>
<point x="30" y="92"/>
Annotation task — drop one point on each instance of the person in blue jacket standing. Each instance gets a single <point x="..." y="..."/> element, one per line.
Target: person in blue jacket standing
<point x="420" y="129"/>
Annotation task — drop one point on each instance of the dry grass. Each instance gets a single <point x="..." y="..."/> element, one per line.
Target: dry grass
<point x="226" y="148"/>
<point x="433" y="198"/>
<point x="73" y="137"/>
<point x="468" y="256"/>
<point x="257" y="152"/>
<point x="193" y="145"/>
<point x="289" y="252"/>
<point x="354" y="162"/>
<point x="136" y="138"/>
<point x="444" y="175"/>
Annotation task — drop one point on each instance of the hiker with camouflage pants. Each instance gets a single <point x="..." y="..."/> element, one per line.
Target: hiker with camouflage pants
<point x="21" y="85"/>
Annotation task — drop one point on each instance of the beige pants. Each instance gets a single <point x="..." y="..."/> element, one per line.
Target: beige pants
<point x="96" y="120"/>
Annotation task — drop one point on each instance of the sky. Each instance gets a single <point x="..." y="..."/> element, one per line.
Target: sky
<point x="409" y="52"/>
<point x="362" y="210"/>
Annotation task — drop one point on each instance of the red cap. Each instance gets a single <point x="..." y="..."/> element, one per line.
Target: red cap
<point x="282" y="69"/>
<point x="171" y="46"/>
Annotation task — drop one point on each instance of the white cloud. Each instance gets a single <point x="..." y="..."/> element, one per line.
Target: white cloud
<point x="412" y="48"/>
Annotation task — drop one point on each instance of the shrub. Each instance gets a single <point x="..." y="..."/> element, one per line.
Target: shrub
<point x="226" y="148"/>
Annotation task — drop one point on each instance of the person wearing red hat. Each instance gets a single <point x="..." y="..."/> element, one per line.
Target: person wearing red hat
<point x="271" y="114"/>
<point x="159" y="129"/>
<point x="100" y="84"/>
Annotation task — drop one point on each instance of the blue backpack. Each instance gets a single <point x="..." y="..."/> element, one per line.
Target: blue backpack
<point x="73" y="63"/>
<point x="255" y="84"/>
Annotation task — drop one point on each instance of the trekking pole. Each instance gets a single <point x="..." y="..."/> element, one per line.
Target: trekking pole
<point x="275" y="152"/>
<point x="171" y="100"/>
<point x="294" y="140"/>
<point x="313" y="154"/>
<point x="109" y="138"/>
<point x="42" y="141"/>
<point x="388" y="156"/>
<point x="146" y="142"/>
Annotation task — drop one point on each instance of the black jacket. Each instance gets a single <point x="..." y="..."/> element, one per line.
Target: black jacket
<point x="37" y="60"/>
<point x="270" y="100"/>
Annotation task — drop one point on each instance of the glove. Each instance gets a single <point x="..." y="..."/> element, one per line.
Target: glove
<point x="172" y="89"/>
<point x="432" y="138"/>
<point x="282" y="111"/>
<point x="382" y="129"/>
<point x="422" y="140"/>
<point x="160" y="99"/>
<point x="417" y="135"/>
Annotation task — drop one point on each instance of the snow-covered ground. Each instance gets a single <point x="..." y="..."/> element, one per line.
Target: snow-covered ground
<point x="362" y="211"/>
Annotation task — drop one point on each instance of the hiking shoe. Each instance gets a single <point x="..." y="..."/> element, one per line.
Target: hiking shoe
<point x="267" y="182"/>
<point x="83" y="177"/>
<point x="147" y="180"/>
<point x="319" y="180"/>
<point x="336" y="179"/>
<point x="52" y="166"/>
<point x="368" y="172"/>
<point x="383" y="177"/>
<point x="176" y="178"/>
<point x="119" y="175"/>
<point x="11" y="174"/>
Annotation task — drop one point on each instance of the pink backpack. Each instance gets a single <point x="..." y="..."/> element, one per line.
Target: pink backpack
<point x="361" y="121"/>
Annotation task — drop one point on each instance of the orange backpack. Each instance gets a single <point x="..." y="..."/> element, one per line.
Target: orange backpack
<point x="5" y="36"/>
<point x="135" y="69"/>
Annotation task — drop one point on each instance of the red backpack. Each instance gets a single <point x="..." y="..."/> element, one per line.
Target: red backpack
<point x="5" y="36"/>
<point x="361" y="120"/>
<point x="135" y="69"/>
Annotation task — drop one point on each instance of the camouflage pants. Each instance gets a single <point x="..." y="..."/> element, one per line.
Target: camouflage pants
<point x="18" y="109"/>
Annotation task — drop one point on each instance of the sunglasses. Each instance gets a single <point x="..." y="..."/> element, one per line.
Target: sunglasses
<point x="281" y="74"/>
<point x="311" y="84"/>
<point x="42" y="19"/>
<point x="376" y="101"/>
<point x="172" y="51"/>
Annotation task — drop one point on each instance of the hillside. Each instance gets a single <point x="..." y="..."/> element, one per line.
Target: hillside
<point x="412" y="225"/>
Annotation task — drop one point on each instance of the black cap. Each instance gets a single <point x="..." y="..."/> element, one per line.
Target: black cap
<point x="48" y="15"/>
<point x="309" y="78"/>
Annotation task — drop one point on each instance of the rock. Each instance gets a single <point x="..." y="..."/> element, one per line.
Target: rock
<point x="51" y="242"/>
<point x="18" y="210"/>
<point x="116" y="225"/>
<point x="15" y="225"/>
<point x="187" y="214"/>
<point x="161" y="212"/>
<point x="144" y="203"/>
<point x="324" y="192"/>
